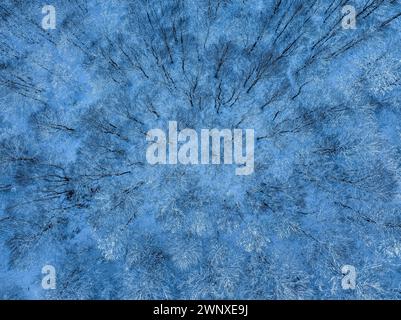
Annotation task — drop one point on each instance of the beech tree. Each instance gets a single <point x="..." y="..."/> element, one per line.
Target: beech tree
<point x="77" y="193"/>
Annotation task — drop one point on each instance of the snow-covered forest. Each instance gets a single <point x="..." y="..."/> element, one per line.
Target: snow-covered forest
<point x="77" y="193"/>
